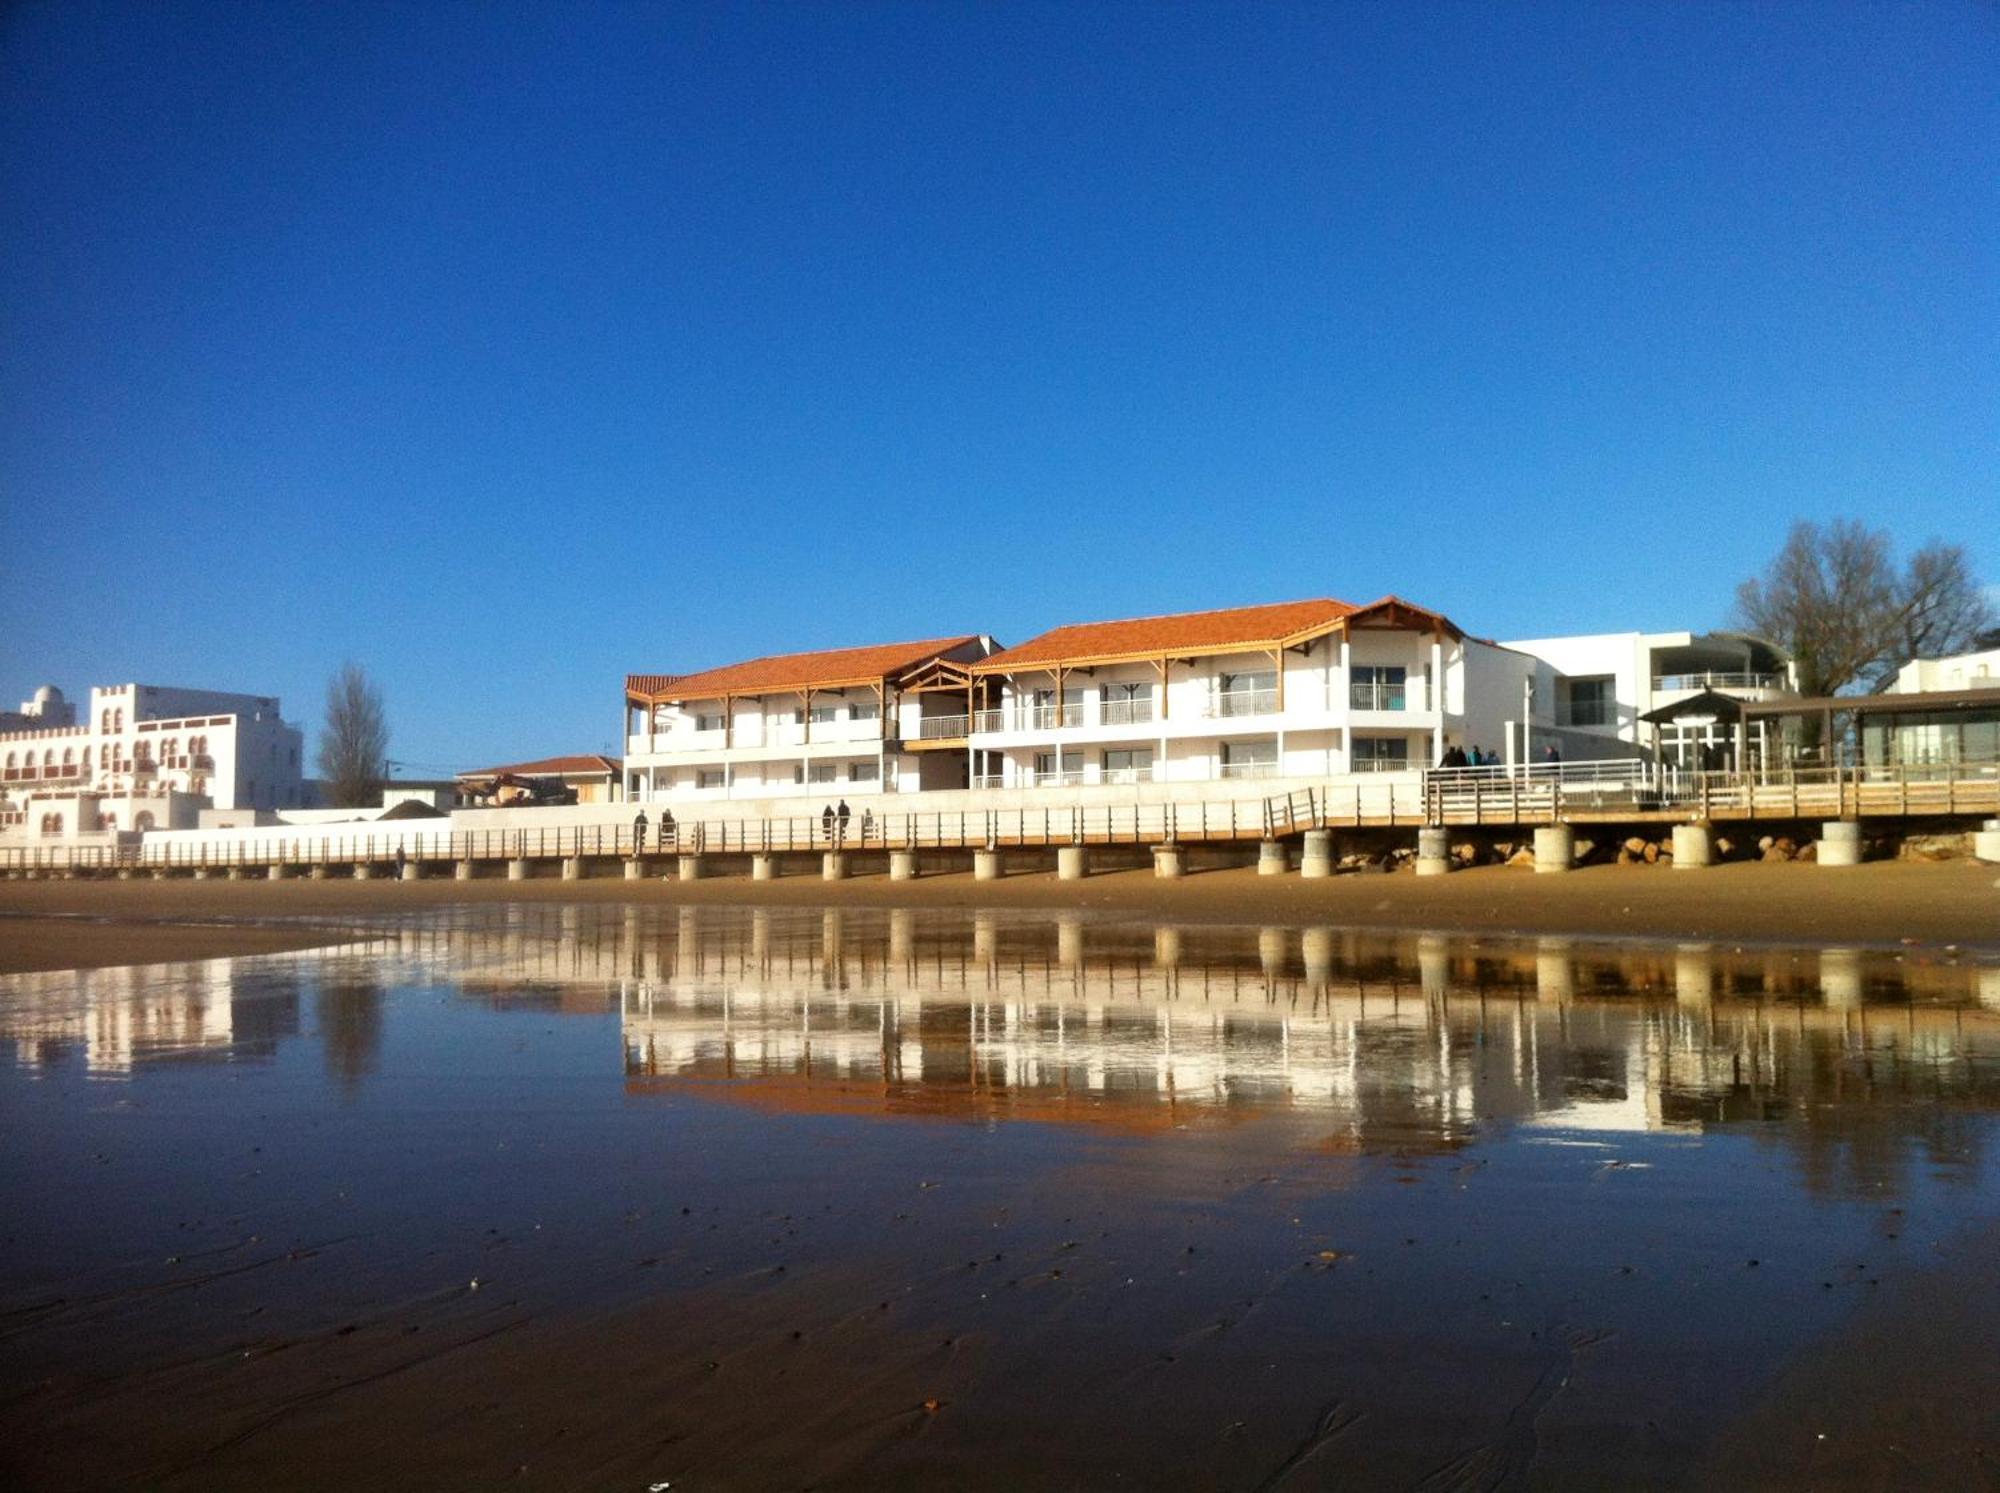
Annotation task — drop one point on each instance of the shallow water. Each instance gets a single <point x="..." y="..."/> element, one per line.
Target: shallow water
<point x="604" y="1197"/>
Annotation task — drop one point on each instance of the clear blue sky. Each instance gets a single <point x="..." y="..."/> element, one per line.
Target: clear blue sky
<point x="506" y="348"/>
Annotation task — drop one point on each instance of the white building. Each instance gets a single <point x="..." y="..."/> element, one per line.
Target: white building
<point x="1657" y="693"/>
<point x="839" y="720"/>
<point x="1302" y="689"/>
<point x="145" y="757"/>
<point x="1960" y="671"/>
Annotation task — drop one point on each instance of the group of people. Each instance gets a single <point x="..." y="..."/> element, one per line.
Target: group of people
<point x="834" y="821"/>
<point x="640" y="826"/>
<point x="1455" y="756"/>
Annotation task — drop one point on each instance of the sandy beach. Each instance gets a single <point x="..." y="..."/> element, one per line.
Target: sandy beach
<point x="92" y="924"/>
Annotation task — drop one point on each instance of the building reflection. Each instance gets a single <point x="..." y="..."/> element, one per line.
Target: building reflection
<point x="117" y="1020"/>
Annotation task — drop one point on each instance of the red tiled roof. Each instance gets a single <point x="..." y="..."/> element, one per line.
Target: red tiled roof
<point x="648" y="684"/>
<point x="790" y="671"/>
<point x="1181" y="634"/>
<point x="550" y="767"/>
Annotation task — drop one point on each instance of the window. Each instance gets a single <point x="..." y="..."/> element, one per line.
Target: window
<point x="1128" y="704"/>
<point x="1052" y="714"/>
<point x="864" y="772"/>
<point x="1250" y="759"/>
<point x="1378" y="687"/>
<point x="1133" y="765"/>
<point x="1590" y="702"/>
<point x="825" y="715"/>
<point x="708" y="723"/>
<point x="1048" y="771"/>
<point x="1246" y="694"/>
<point x="865" y="710"/>
<point x="823" y="772"/>
<point x="1381" y="753"/>
<point x="709" y="777"/>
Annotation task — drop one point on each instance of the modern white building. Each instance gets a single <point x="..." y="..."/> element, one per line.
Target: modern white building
<point x="840" y="720"/>
<point x="1960" y="671"/>
<point x="1301" y="689"/>
<point x="1665" y="695"/>
<point x="144" y="757"/>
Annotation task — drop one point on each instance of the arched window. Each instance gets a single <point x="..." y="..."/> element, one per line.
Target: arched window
<point x="118" y="719"/>
<point x="104" y="719"/>
<point x="86" y="759"/>
<point x="12" y="761"/>
<point x="144" y="821"/>
<point x="69" y="756"/>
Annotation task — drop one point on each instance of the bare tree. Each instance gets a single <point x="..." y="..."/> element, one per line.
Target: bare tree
<point x="354" y="742"/>
<point x="1834" y="598"/>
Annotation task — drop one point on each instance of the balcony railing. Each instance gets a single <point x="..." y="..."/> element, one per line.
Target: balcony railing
<point x="1236" y="702"/>
<point x="1718" y="679"/>
<point x="1379" y="764"/>
<point x="1133" y="712"/>
<point x="989" y="720"/>
<point x="1056" y="717"/>
<point x="1070" y="777"/>
<point x="1249" y="770"/>
<point x="1373" y="696"/>
<point x="1120" y="776"/>
<point x="943" y="727"/>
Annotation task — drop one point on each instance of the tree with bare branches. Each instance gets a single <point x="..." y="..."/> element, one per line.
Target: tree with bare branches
<point x="1835" y="599"/>
<point x="354" y="741"/>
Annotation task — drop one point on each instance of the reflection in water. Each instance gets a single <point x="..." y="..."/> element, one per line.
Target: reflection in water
<point x="1363" y="1039"/>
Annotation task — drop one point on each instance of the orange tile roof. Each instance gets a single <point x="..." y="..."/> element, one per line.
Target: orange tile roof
<point x="648" y="684"/>
<point x="791" y="671"/>
<point x="1180" y="634"/>
<point x="549" y="767"/>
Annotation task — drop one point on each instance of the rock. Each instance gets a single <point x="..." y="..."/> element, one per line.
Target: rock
<point x="1636" y="846"/>
<point x="1584" y="849"/>
<point x="1525" y="856"/>
<point x="1651" y="853"/>
<point x="1807" y="853"/>
<point x="1775" y="852"/>
<point x="1765" y="842"/>
<point x="1934" y="847"/>
<point x="1626" y="857"/>
<point x="1724" y="846"/>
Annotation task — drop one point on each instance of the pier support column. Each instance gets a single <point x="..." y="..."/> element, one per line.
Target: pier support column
<point x="201" y="873"/>
<point x="1843" y="978"/>
<point x="1433" y="852"/>
<point x="462" y="871"/>
<point x="1694" y="847"/>
<point x="517" y="869"/>
<point x="986" y="865"/>
<point x="276" y="871"/>
<point x="902" y="865"/>
<point x="635" y="869"/>
<point x="1071" y="863"/>
<point x="833" y="865"/>
<point x="1316" y="859"/>
<point x="1555" y="847"/>
<point x="688" y="866"/>
<point x="763" y="866"/>
<point x="572" y="868"/>
<point x="320" y="873"/>
<point x="1986" y="842"/>
<point x="1271" y="859"/>
<point x="1168" y="863"/>
<point x="413" y="870"/>
<point x="1840" y="842"/>
<point x="364" y="870"/>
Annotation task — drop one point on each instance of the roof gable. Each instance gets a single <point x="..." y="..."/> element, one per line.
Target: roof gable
<point x="826" y="668"/>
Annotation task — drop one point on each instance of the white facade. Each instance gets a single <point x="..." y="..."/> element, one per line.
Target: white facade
<point x="148" y="757"/>
<point x="1595" y="690"/>
<point x="1961" y="671"/>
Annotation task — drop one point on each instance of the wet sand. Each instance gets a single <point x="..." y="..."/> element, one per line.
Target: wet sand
<point x="43" y="923"/>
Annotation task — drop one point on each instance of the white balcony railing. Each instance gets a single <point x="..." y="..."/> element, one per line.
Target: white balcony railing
<point x="1248" y="770"/>
<point x="1120" y="776"/>
<point x="1376" y="696"/>
<point x="1380" y="764"/>
<point x="942" y="727"/>
<point x="1056" y="717"/>
<point x="1237" y="702"/>
<point x="989" y="720"/>
<point x="1718" y="679"/>
<point x="1069" y="777"/>
<point x="1134" y="712"/>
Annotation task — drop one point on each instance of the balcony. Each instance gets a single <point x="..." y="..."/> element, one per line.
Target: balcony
<point x="989" y="720"/>
<point x="1118" y="777"/>
<point x="944" y="727"/>
<point x="1377" y="696"/>
<point x="1242" y="770"/>
<point x="1056" y="717"/>
<point x="1718" y="679"/>
<point x="1232" y="703"/>
<point x="1133" y="712"/>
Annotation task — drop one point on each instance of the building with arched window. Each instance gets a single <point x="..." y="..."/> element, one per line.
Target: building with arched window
<point x="143" y="756"/>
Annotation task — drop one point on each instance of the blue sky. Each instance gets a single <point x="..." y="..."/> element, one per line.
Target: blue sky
<point x="505" y="349"/>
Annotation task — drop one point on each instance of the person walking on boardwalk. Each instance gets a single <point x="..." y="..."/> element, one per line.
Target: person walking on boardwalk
<point x="867" y="824"/>
<point x="844" y="815"/>
<point x="402" y="861"/>
<point x="639" y="834"/>
<point x="826" y="822"/>
<point x="666" y="828"/>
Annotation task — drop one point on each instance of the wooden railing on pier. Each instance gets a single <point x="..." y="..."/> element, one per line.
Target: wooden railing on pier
<point x="1583" y="793"/>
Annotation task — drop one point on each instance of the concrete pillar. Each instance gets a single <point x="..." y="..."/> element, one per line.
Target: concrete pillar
<point x="364" y="870"/>
<point x="157" y="876"/>
<point x="902" y="936"/>
<point x="985" y="865"/>
<point x="687" y="866"/>
<point x="1840" y="842"/>
<point x="1316" y="952"/>
<point x="635" y="869"/>
<point x="763" y="866"/>
<point x="1433" y="852"/>
<point x="276" y="871"/>
<point x="1434" y="966"/>
<point x="1986" y="842"/>
<point x="833" y="865"/>
<point x="902" y="865"/>
<point x="1071" y="863"/>
<point x="1166" y="947"/>
<point x="201" y="873"/>
<point x="1555" y="847"/>
<point x="235" y="873"/>
<point x="517" y="869"/>
<point x="1842" y="980"/>
<point x="1271" y="858"/>
<point x="1167" y="862"/>
<point x="1271" y="952"/>
<point x="1694" y="973"/>
<point x="462" y="871"/>
<point x="572" y="868"/>
<point x="1694" y="847"/>
<point x="1069" y="942"/>
<point x="321" y="873"/>
<point x="985" y="941"/>
<point x="413" y="870"/>
<point x="1555" y="976"/>
<point x="1316" y="857"/>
